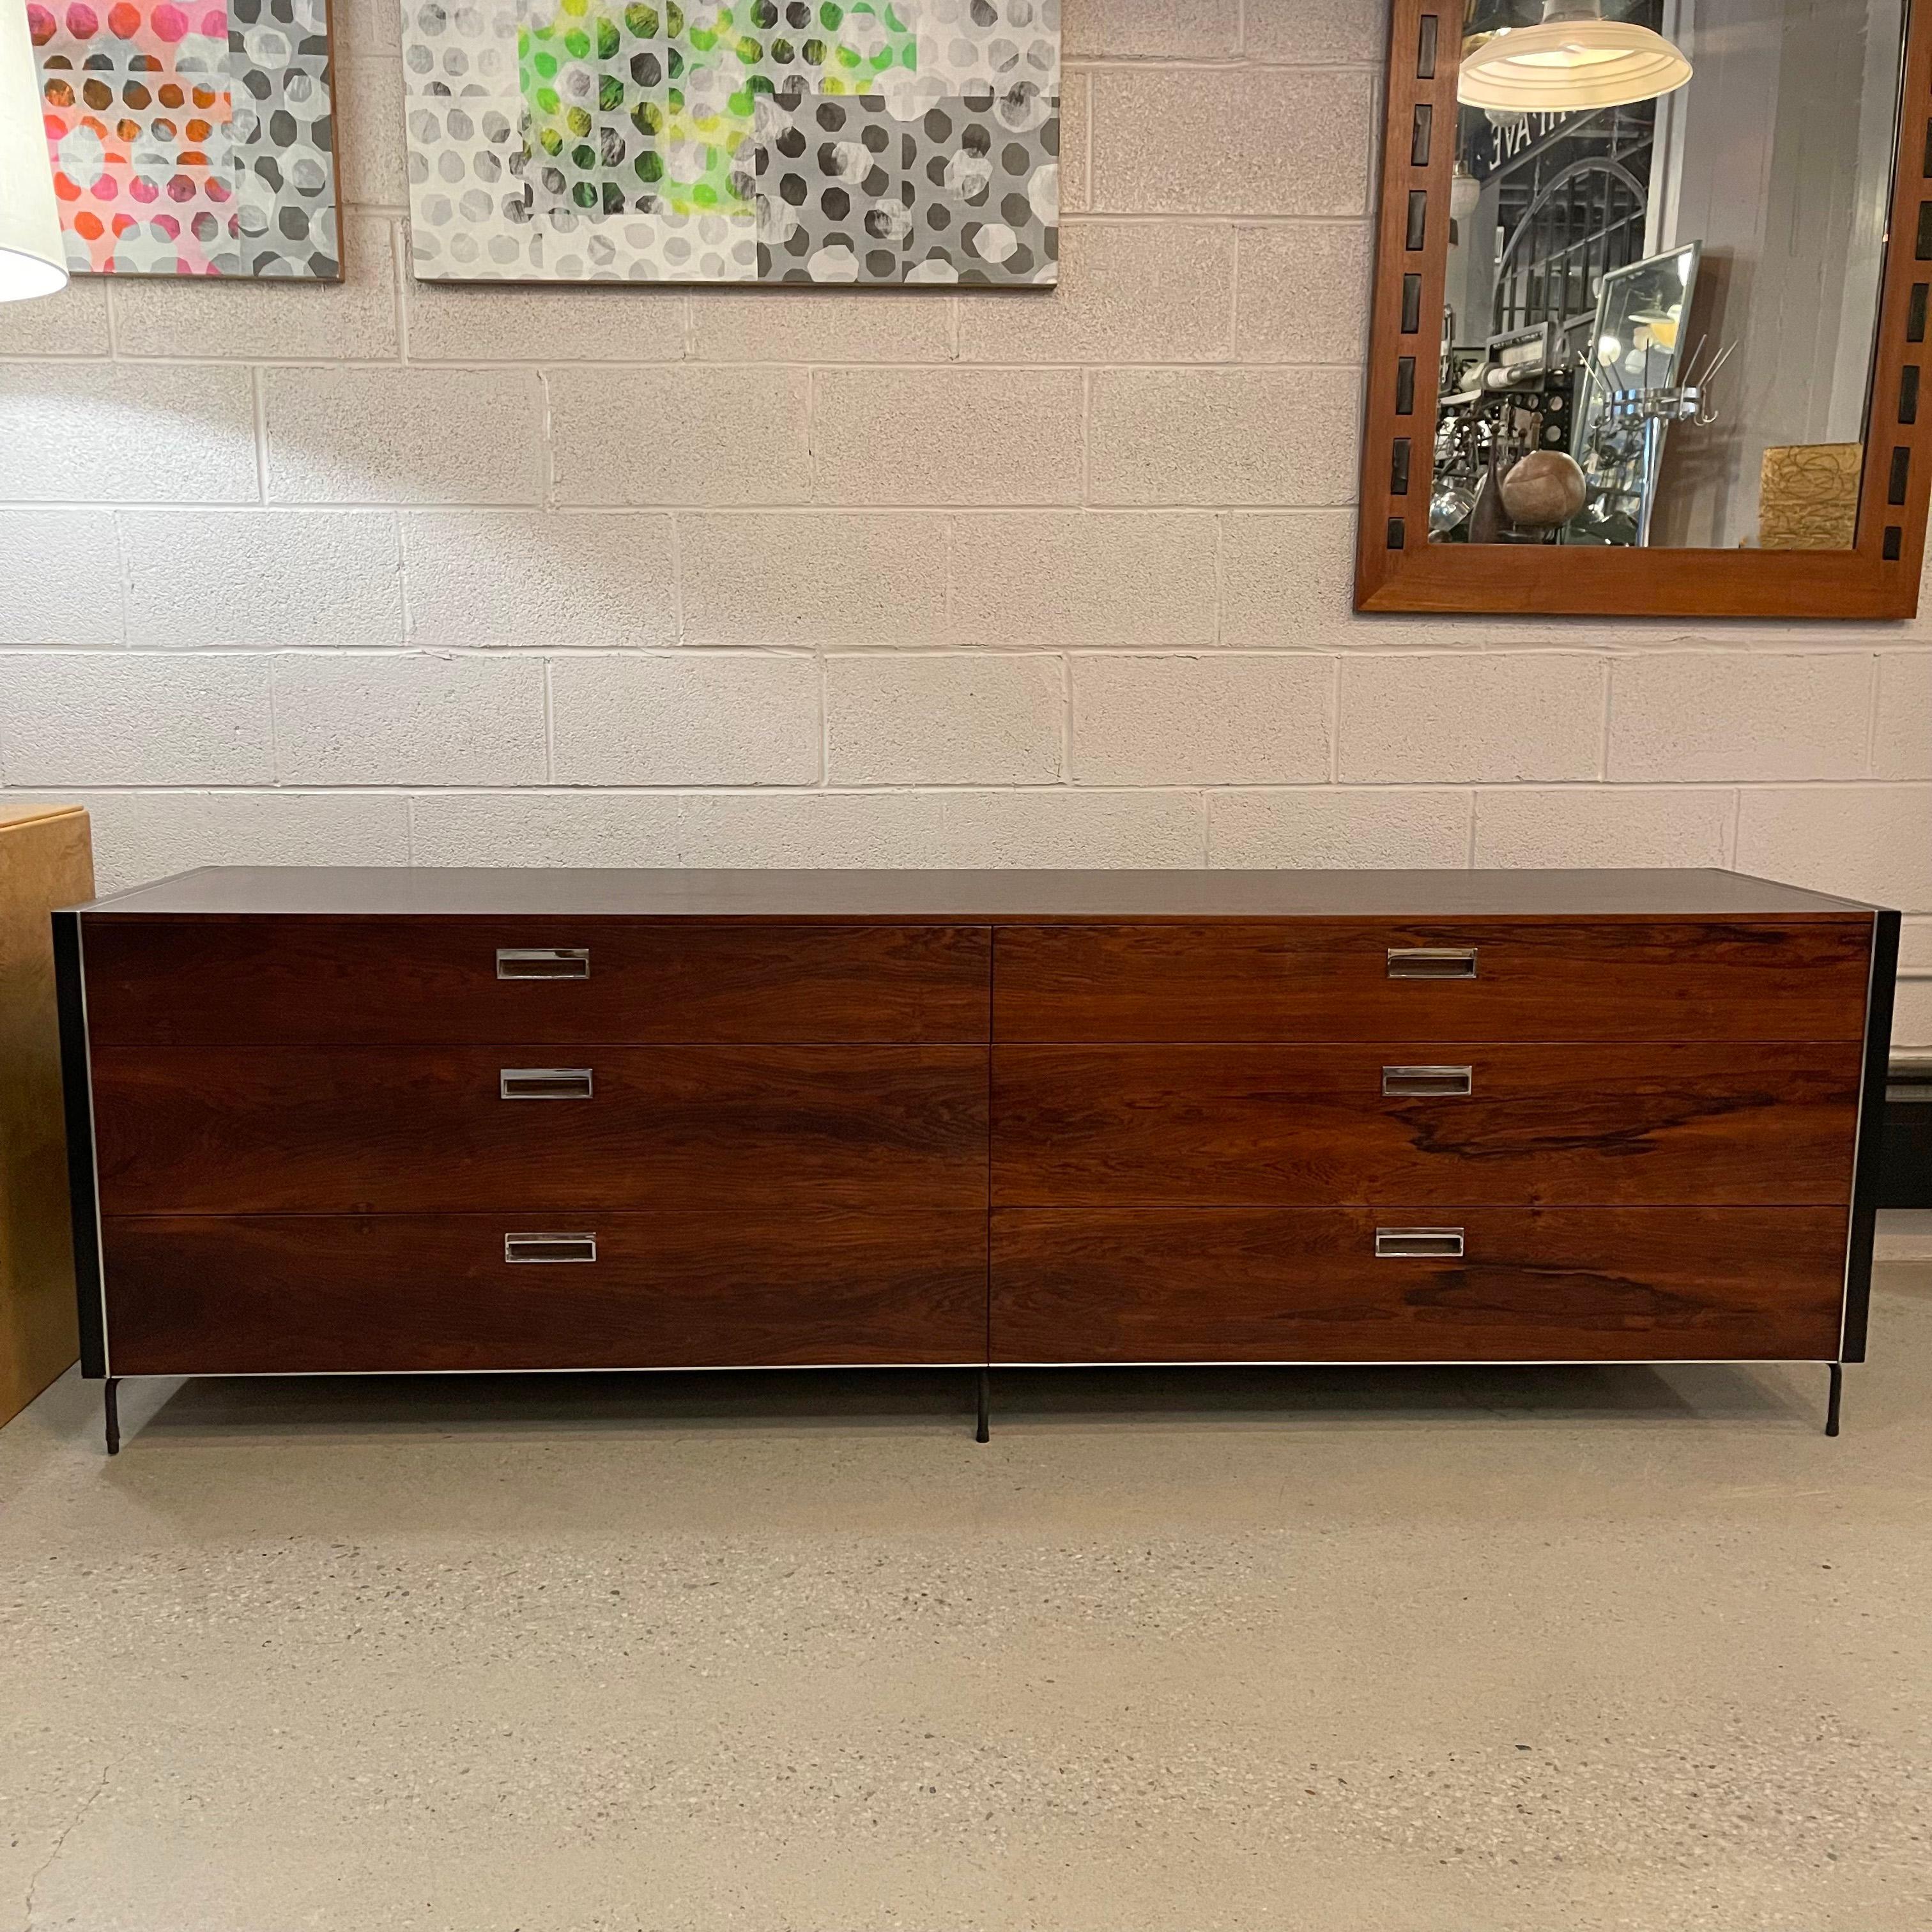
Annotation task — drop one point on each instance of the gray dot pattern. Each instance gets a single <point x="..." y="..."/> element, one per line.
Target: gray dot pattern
<point x="264" y="203"/>
<point x="947" y="172"/>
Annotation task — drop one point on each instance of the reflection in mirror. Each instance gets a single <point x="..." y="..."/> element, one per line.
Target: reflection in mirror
<point x="1659" y="312"/>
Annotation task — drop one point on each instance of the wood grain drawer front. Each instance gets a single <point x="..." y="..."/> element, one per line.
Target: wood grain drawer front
<point x="1289" y="1126"/>
<point x="308" y="1294"/>
<point x="1287" y="1284"/>
<point x="399" y="1129"/>
<point x="1533" y="979"/>
<point x="269" y="981"/>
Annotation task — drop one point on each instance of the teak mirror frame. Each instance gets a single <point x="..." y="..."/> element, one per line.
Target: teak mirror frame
<point x="1396" y="566"/>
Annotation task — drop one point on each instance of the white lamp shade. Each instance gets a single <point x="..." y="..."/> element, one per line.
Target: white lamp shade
<point x="1561" y="66"/>
<point x="33" y="259"/>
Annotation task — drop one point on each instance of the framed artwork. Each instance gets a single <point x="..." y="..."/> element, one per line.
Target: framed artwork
<point x="190" y="137"/>
<point x="880" y="142"/>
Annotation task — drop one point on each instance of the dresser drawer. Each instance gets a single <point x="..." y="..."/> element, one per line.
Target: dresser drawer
<point x="1288" y="1284"/>
<point x="233" y="1130"/>
<point x="1582" y="1124"/>
<point x="1509" y="980"/>
<point x="280" y="981"/>
<point x="311" y="1294"/>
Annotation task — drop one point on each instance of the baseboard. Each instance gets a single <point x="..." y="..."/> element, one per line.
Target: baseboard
<point x="1904" y="1234"/>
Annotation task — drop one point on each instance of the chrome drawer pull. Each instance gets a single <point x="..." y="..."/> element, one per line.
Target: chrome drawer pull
<point x="549" y="1247"/>
<point x="543" y="962"/>
<point x="543" y="1083"/>
<point x="1432" y="962"/>
<point x="1418" y="1243"/>
<point x="1406" y="1082"/>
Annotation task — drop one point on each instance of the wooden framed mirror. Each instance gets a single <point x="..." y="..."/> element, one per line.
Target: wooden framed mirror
<point x="1702" y="317"/>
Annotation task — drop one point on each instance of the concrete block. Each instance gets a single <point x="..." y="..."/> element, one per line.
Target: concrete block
<point x="541" y="828"/>
<point x="370" y="147"/>
<point x="373" y="434"/>
<point x="1902" y="744"/>
<point x="1493" y="719"/>
<point x="73" y="322"/>
<point x="1740" y="714"/>
<point x="790" y="325"/>
<point x="352" y="320"/>
<point x="363" y="28"/>
<point x="408" y="718"/>
<point x="60" y="575"/>
<point x="1304" y="293"/>
<point x="142" y="836"/>
<point x="946" y="435"/>
<point x="1151" y="29"/>
<point x="1232" y="141"/>
<point x="1867" y="841"/>
<point x="1129" y="291"/>
<point x="1223" y="719"/>
<point x="983" y="718"/>
<point x="509" y="322"/>
<point x="1342" y="826"/>
<point x="197" y="578"/>
<point x="679" y="435"/>
<point x="728" y="718"/>
<point x="536" y="577"/>
<point x="116" y="718"/>
<point x="1061" y="827"/>
<point x="1287" y="578"/>
<point x="1317" y="33"/>
<point x="816" y="577"/>
<point x="1603" y="825"/>
<point x="1083" y="577"/>
<point x="1233" y="436"/>
<point x="92" y="433"/>
<point x="1076" y="124"/>
<point x="808" y="829"/>
<point x="1286" y="582"/>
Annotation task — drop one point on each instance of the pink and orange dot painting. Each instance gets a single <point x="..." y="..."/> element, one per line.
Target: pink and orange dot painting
<point x="193" y="139"/>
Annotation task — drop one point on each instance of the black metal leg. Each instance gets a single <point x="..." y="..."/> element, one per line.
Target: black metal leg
<point x="1831" y="1403"/>
<point x="984" y="1433"/>
<point x="110" y="1391"/>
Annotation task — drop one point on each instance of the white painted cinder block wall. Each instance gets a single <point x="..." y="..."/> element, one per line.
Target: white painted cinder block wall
<point x="387" y="573"/>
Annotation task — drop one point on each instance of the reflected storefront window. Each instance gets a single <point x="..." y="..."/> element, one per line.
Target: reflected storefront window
<point x="1659" y="313"/>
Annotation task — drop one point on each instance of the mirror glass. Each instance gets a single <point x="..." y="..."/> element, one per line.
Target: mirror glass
<point x="1659" y="314"/>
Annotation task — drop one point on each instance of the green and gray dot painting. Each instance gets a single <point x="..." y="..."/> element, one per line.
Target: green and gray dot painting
<point x="879" y="142"/>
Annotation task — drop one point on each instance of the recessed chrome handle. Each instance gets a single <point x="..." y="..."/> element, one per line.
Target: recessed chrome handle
<point x="1411" y="1082"/>
<point x="1418" y="1243"/>
<point x="543" y="1083"/>
<point x="549" y="1247"/>
<point x="543" y="962"/>
<point x="1432" y="962"/>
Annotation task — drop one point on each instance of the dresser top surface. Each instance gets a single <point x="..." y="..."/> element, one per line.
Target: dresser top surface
<point x="978" y="898"/>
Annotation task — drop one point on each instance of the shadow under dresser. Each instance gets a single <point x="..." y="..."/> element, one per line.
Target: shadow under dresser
<point x="333" y="1121"/>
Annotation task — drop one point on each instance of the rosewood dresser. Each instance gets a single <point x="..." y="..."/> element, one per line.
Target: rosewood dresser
<point x="338" y="1121"/>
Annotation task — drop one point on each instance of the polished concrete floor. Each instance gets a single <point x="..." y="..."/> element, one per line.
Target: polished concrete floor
<point x="1415" y="1650"/>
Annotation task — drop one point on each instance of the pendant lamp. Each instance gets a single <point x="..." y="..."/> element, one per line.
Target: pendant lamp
<point x="33" y="260"/>
<point x="1573" y="59"/>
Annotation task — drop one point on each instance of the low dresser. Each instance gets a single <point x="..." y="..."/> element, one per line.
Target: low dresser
<point x="341" y="1121"/>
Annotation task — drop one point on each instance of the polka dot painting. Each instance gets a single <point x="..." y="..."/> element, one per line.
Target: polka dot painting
<point x="815" y="141"/>
<point x="189" y="139"/>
